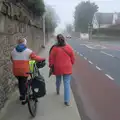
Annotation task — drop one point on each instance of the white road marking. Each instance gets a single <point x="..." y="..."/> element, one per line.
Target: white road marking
<point x="101" y="46"/>
<point x="85" y="58"/>
<point x="90" y="62"/>
<point x="109" y="77"/>
<point x="81" y="55"/>
<point x="89" y="47"/>
<point x="107" y="54"/>
<point x="82" y="44"/>
<point x="98" y="68"/>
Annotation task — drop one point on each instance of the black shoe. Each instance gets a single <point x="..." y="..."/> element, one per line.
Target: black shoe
<point x="21" y="98"/>
<point x="58" y="93"/>
<point x="36" y="100"/>
<point x="66" y="103"/>
<point x="24" y="102"/>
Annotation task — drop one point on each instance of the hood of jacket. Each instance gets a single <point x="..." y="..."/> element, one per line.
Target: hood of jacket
<point x="20" y="48"/>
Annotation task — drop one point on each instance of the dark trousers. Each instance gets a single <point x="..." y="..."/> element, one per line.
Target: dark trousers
<point x="22" y="85"/>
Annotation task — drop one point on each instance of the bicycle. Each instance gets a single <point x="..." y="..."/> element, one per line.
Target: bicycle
<point x="31" y="96"/>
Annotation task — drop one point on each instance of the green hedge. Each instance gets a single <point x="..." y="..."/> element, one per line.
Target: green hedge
<point x="107" y="31"/>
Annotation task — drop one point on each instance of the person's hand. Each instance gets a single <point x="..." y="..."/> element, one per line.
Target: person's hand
<point x="50" y="66"/>
<point x="42" y="59"/>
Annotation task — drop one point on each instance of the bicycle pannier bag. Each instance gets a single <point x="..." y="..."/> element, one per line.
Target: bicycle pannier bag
<point x="39" y="87"/>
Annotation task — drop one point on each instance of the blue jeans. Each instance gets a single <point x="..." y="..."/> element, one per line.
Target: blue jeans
<point x="66" y="81"/>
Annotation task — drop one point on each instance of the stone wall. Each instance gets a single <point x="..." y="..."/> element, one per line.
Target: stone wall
<point x="15" y="22"/>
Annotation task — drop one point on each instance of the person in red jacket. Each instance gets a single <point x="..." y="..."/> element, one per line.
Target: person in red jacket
<point x="62" y="58"/>
<point x="20" y="57"/>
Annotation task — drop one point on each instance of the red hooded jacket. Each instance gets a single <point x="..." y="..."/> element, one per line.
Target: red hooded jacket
<point x="61" y="60"/>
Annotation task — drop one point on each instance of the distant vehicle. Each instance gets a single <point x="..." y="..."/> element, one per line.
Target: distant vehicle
<point x="68" y="36"/>
<point x="84" y="35"/>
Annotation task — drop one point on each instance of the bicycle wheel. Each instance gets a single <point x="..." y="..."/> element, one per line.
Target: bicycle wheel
<point x="32" y="103"/>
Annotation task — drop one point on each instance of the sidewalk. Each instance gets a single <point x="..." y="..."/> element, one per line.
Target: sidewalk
<point x="51" y="107"/>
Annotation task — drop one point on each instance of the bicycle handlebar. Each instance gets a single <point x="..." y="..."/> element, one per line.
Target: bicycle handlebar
<point x="29" y="73"/>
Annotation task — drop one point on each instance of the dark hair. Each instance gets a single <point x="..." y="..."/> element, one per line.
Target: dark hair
<point x="61" y="40"/>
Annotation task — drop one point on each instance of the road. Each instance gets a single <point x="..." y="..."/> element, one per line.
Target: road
<point x="96" y="83"/>
<point x="104" y="56"/>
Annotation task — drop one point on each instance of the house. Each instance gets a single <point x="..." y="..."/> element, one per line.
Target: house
<point x="105" y="20"/>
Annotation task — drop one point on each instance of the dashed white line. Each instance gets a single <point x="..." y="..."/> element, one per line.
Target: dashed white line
<point x="107" y="54"/>
<point x="98" y="68"/>
<point x="89" y="47"/>
<point x="90" y="62"/>
<point x="81" y="55"/>
<point x="85" y="58"/>
<point x="109" y="77"/>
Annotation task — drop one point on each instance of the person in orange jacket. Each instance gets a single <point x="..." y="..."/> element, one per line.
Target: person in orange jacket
<point x="20" y="57"/>
<point x="61" y="59"/>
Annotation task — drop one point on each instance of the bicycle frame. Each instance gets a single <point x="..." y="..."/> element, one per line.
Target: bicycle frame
<point x="30" y="97"/>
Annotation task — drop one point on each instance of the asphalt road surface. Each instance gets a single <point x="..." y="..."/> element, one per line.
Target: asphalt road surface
<point x="96" y="83"/>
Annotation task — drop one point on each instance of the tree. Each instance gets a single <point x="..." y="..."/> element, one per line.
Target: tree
<point x="51" y="19"/>
<point x="69" y="28"/>
<point x="83" y="15"/>
<point x="36" y="6"/>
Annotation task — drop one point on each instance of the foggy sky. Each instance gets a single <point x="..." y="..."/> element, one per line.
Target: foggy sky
<point x="66" y="8"/>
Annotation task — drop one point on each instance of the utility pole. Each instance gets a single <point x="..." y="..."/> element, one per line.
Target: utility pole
<point x="90" y="27"/>
<point x="44" y="32"/>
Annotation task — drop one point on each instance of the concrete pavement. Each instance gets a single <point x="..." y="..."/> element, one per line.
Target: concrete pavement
<point x="51" y="107"/>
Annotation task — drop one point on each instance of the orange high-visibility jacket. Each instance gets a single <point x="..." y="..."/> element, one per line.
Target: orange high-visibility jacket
<point x="20" y="57"/>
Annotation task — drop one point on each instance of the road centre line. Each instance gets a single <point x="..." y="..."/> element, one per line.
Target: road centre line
<point x="106" y="54"/>
<point x="81" y="55"/>
<point x="89" y="47"/>
<point x="109" y="77"/>
<point x="90" y="62"/>
<point x="98" y="68"/>
<point x="85" y="58"/>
